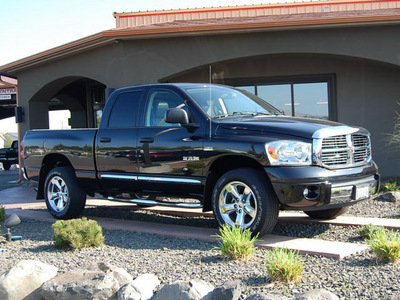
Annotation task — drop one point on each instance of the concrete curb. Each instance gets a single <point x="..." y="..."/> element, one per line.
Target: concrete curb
<point x="21" y="201"/>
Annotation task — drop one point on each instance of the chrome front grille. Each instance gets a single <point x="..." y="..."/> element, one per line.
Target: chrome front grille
<point x="343" y="147"/>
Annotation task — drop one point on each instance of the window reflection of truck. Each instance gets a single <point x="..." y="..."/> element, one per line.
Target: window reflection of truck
<point x="233" y="152"/>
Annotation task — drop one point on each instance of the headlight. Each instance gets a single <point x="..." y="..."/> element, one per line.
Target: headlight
<point x="289" y="153"/>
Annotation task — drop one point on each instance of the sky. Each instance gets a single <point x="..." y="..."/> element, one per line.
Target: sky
<point x="32" y="26"/>
<point x="29" y="27"/>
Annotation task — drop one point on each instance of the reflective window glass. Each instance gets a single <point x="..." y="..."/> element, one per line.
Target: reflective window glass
<point x="124" y="111"/>
<point x="279" y="95"/>
<point x="159" y="101"/>
<point x="311" y="100"/>
<point x="297" y="97"/>
<point x="250" y="88"/>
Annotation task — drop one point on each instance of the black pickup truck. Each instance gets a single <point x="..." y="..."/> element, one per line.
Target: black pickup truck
<point x="9" y="156"/>
<point x="226" y="149"/>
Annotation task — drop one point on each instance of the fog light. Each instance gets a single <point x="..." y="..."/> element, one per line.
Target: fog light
<point x="311" y="192"/>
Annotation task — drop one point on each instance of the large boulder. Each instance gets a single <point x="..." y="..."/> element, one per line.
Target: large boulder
<point x="101" y="281"/>
<point x="230" y="290"/>
<point x="265" y="297"/>
<point x="140" y="289"/>
<point x="24" y="280"/>
<point x="318" y="294"/>
<point x="186" y="290"/>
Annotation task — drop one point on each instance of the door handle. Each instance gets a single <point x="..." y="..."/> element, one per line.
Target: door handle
<point x="146" y="140"/>
<point x="105" y="140"/>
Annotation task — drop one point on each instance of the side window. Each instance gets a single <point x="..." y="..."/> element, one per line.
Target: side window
<point x="159" y="101"/>
<point x="124" y="111"/>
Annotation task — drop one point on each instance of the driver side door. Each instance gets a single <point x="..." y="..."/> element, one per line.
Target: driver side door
<point x="169" y="155"/>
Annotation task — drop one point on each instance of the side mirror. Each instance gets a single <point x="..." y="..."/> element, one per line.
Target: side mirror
<point x="177" y="115"/>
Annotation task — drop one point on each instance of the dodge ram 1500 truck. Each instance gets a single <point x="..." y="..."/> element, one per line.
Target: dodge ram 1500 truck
<point x="231" y="151"/>
<point x="9" y="156"/>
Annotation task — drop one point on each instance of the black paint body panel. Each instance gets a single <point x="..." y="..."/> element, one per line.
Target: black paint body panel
<point x="177" y="160"/>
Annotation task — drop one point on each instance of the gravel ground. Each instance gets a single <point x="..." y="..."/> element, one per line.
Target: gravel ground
<point x="356" y="277"/>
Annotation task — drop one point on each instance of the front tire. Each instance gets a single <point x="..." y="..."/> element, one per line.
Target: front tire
<point x="244" y="198"/>
<point x="6" y="166"/>
<point x="327" y="214"/>
<point x="65" y="199"/>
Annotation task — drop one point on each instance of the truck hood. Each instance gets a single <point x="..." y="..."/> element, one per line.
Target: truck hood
<point x="281" y="125"/>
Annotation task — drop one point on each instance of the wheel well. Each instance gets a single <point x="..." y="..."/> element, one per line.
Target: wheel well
<point x="50" y="162"/>
<point x="222" y="165"/>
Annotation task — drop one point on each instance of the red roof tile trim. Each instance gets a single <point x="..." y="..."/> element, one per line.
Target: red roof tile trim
<point x="126" y="20"/>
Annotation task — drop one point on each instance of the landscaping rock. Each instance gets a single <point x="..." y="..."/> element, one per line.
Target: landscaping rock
<point x="145" y="284"/>
<point x="101" y="281"/>
<point x="129" y="292"/>
<point x="230" y="290"/>
<point x="120" y="274"/>
<point x="390" y="196"/>
<point x="139" y="289"/>
<point x="186" y="290"/>
<point x="264" y="297"/>
<point x="24" y="279"/>
<point x="318" y="294"/>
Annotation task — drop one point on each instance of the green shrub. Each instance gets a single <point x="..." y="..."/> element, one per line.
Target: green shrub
<point x="390" y="185"/>
<point x="2" y="214"/>
<point x="393" y="139"/>
<point x="77" y="233"/>
<point x="367" y="231"/>
<point x="284" y="265"/>
<point x="236" y="243"/>
<point x="386" y="245"/>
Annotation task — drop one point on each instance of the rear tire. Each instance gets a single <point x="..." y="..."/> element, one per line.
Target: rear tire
<point x="244" y="198"/>
<point x="6" y="166"/>
<point x="327" y="214"/>
<point x="65" y="199"/>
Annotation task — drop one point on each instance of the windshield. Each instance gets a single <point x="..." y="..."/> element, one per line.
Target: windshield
<point x="222" y="102"/>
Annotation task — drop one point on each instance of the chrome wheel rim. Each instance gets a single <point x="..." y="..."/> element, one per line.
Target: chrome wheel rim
<point x="57" y="194"/>
<point x="237" y="204"/>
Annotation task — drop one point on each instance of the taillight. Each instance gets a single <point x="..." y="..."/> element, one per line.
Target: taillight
<point x="22" y="149"/>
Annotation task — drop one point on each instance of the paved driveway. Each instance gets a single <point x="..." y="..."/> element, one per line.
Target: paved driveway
<point x="8" y="179"/>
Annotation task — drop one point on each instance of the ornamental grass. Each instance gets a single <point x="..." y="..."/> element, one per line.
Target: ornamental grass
<point x="284" y="265"/>
<point x="236" y="243"/>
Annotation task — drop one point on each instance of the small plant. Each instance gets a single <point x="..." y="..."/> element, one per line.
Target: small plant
<point x="367" y="231"/>
<point x="236" y="243"/>
<point x="393" y="139"/>
<point x="386" y="245"/>
<point x="390" y="185"/>
<point x="284" y="265"/>
<point x="347" y="290"/>
<point x="77" y="233"/>
<point x="2" y="214"/>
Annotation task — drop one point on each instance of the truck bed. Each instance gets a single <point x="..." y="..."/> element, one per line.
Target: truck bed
<point x="74" y="144"/>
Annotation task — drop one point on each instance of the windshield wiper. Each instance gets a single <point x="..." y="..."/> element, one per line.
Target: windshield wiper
<point x="236" y="113"/>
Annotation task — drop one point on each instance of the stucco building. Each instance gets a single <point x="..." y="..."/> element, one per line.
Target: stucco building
<point x="337" y="60"/>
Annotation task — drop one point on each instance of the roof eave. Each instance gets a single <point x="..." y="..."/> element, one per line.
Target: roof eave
<point x="93" y="41"/>
<point x="110" y="36"/>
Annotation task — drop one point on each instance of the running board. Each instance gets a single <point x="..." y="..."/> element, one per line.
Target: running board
<point x="156" y="202"/>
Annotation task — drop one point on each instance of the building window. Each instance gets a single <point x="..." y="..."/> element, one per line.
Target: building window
<point x="301" y="97"/>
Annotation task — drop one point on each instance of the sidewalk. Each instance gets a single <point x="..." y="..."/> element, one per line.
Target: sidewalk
<point x="21" y="200"/>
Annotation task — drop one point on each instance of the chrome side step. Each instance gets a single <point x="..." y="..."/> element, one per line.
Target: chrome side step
<point x="156" y="202"/>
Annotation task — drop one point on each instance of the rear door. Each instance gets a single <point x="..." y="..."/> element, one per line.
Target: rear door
<point x="116" y="151"/>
